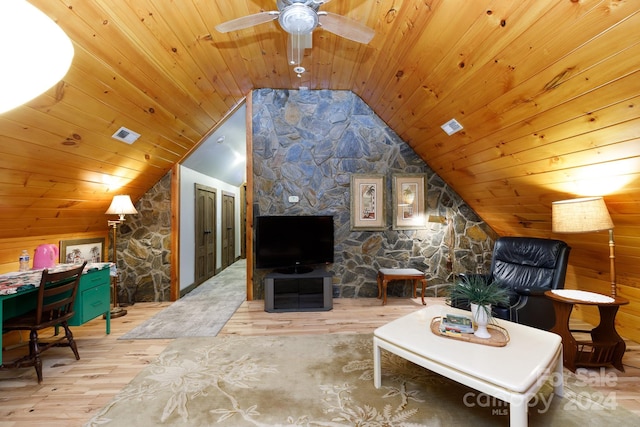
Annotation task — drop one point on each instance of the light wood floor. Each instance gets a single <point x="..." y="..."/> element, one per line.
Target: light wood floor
<point x="74" y="390"/>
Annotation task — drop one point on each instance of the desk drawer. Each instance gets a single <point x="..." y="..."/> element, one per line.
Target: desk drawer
<point x="95" y="301"/>
<point x="94" y="297"/>
<point x="94" y="278"/>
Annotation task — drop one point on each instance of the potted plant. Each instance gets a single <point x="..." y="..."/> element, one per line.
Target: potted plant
<point x="481" y="294"/>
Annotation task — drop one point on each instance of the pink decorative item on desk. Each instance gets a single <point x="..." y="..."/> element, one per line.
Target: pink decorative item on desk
<point x="45" y="256"/>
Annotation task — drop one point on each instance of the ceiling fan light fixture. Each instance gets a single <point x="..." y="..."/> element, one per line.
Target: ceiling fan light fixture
<point x="298" y="19"/>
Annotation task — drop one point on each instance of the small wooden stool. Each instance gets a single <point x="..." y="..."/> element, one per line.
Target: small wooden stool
<point x="385" y="275"/>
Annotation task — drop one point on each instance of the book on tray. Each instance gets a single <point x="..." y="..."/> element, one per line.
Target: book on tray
<point x="456" y="323"/>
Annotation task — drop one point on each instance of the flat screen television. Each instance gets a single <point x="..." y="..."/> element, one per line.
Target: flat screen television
<point x="293" y="244"/>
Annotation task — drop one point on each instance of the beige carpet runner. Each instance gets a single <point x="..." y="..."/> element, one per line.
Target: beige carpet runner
<point x="201" y="313"/>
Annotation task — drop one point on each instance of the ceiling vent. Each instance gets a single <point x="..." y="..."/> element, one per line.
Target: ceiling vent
<point x="451" y="127"/>
<point x="125" y="135"/>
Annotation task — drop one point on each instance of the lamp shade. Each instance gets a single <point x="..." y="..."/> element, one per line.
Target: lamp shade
<point x="36" y="53"/>
<point x="583" y="215"/>
<point x="121" y="205"/>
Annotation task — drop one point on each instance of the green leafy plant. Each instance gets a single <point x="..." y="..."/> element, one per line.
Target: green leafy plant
<point x="478" y="290"/>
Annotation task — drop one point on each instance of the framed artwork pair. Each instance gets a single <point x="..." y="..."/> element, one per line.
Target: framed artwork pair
<point x="409" y="204"/>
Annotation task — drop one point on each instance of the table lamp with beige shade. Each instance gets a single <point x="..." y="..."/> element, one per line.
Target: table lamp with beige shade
<point x="585" y="215"/>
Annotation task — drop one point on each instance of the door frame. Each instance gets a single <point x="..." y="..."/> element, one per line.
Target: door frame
<point x="248" y="209"/>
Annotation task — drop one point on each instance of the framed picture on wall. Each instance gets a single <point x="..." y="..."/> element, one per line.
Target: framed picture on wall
<point x="367" y="202"/>
<point x="80" y="250"/>
<point x="409" y="201"/>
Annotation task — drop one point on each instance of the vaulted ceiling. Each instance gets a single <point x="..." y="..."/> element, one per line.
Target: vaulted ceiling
<point x="547" y="92"/>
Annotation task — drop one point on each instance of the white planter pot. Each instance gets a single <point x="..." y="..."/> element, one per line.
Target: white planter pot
<point x="481" y="318"/>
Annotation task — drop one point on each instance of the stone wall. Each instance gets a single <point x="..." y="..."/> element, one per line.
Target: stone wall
<point x="144" y="247"/>
<point x="309" y="143"/>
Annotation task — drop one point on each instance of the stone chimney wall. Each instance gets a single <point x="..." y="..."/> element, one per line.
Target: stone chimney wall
<point x="309" y="143"/>
<point x="144" y="248"/>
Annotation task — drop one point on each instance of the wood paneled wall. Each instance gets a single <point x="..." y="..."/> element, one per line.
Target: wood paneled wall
<point x="11" y="248"/>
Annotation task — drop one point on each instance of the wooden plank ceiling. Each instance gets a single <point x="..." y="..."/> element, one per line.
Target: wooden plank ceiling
<point x="547" y="92"/>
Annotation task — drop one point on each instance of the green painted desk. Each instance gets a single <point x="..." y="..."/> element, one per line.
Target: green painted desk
<point x="93" y="299"/>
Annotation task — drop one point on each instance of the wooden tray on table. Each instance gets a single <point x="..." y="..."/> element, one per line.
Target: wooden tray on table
<point x="499" y="335"/>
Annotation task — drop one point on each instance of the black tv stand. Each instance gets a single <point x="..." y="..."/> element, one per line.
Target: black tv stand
<point x="310" y="291"/>
<point x="296" y="269"/>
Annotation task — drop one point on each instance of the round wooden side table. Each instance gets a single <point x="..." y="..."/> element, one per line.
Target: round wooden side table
<point x="606" y="347"/>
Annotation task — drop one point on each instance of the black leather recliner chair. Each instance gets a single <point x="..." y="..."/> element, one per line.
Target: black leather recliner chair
<point x="528" y="266"/>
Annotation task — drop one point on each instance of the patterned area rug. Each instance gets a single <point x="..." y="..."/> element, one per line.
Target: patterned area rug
<point x="323" y="380"/>
<point x="203" y="312"/>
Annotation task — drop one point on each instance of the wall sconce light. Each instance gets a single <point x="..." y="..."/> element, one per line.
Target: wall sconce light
<point x="36" y="56"/>
<point x="121" y="205"/>
<point x="585" y="215"/>
<point x="449" y="238"/>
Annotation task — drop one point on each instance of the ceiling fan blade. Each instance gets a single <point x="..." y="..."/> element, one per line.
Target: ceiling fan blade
<point x="247" y="21"/>
<point x="296" y="44"/>
<point x="345" y="27"/>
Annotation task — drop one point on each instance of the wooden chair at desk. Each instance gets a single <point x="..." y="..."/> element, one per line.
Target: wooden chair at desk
<point x="54" y="308"/>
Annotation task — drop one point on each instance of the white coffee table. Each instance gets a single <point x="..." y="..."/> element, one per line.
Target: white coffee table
<point x="513" y="373"/>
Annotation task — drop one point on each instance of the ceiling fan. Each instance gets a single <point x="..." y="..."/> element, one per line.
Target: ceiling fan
<point x="299" y="18"/>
